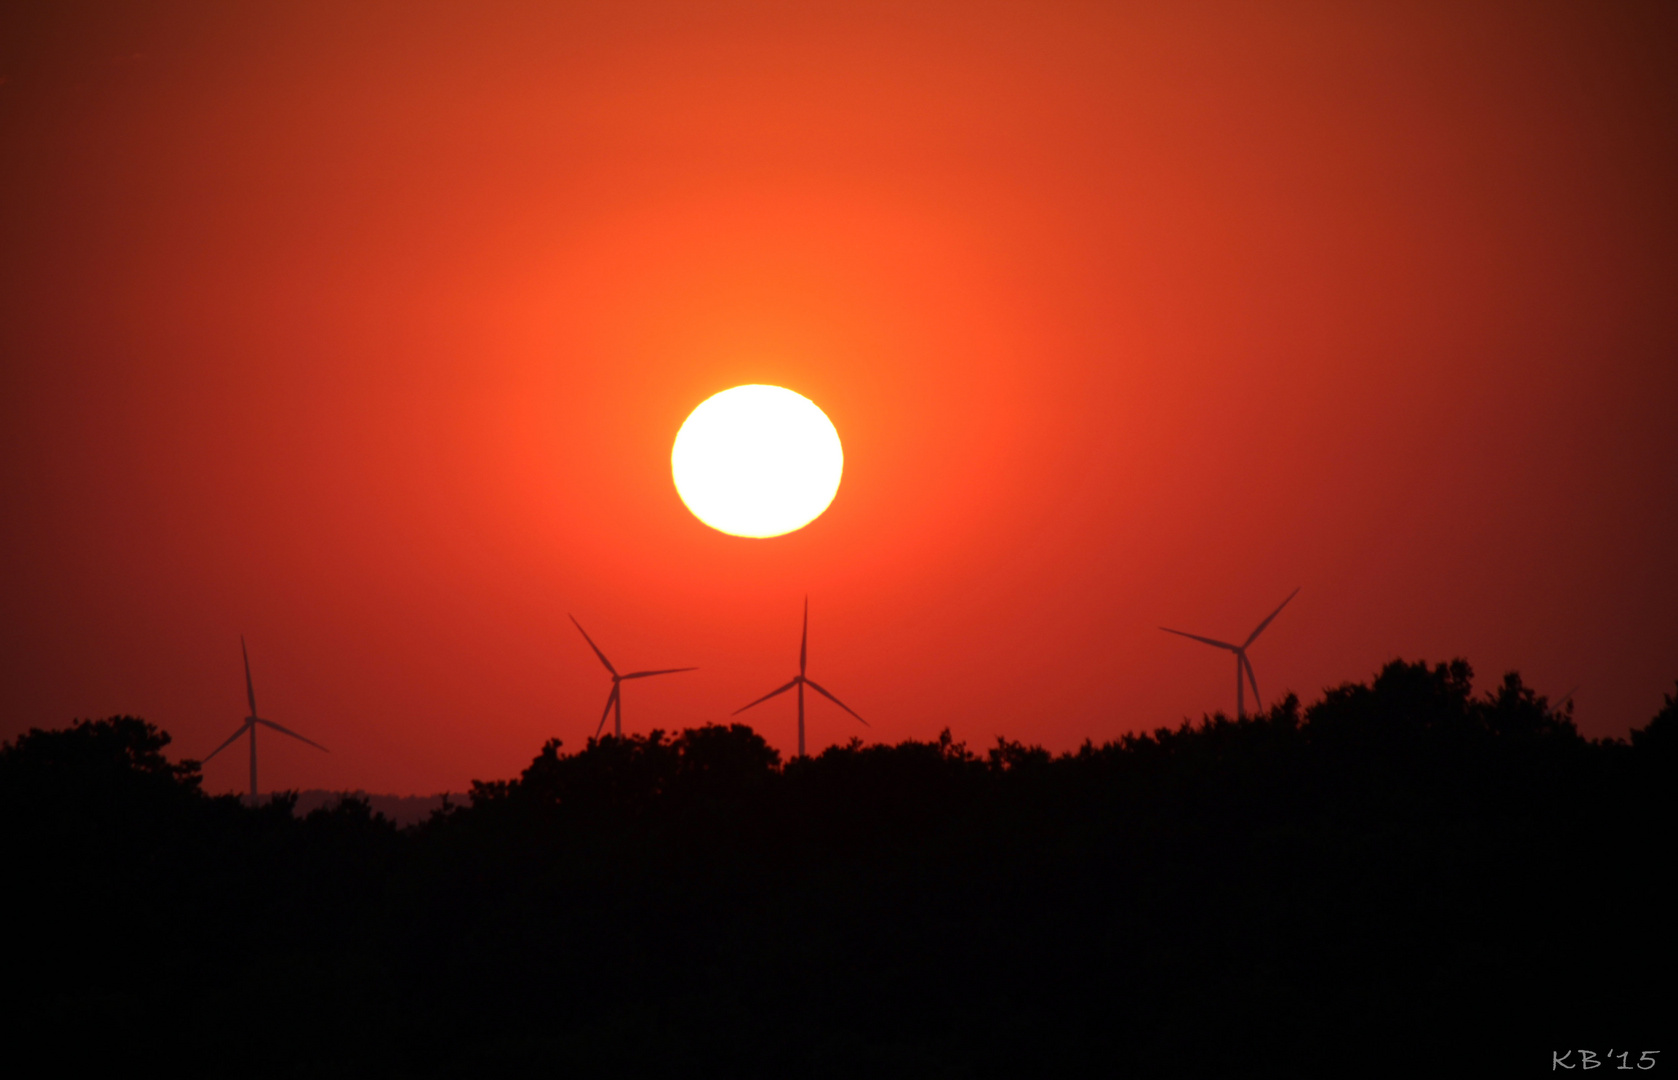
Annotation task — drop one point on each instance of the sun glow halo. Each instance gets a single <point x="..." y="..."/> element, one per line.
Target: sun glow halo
<point x="757" y="461"/>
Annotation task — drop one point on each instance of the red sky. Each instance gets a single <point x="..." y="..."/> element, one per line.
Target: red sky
<point x="364" y="330"/>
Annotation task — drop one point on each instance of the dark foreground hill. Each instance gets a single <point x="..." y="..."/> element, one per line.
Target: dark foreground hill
<point x="1401" y="878"/>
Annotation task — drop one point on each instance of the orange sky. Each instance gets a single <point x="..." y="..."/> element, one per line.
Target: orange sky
<point x="366" y="334"/>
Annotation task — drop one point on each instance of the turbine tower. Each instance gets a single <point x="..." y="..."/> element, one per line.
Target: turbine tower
<point x="801" y="681"/>
<point x="1242" y="664"/>
<point x="614" y="700"/>
<point x="252" y="721"/>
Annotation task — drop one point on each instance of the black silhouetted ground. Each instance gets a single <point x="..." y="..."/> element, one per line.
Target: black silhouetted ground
<point x="1400" y="879"/>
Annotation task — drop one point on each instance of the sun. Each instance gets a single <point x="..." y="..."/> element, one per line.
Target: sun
<point x="757" y="461"/>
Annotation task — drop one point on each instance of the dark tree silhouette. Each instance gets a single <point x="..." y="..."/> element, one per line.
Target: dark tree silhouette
<point x="1400" y="871"/>
<point x="1659" y="736"/>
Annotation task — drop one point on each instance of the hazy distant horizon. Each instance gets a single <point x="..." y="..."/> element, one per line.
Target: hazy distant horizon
<point x="404" y="810"/>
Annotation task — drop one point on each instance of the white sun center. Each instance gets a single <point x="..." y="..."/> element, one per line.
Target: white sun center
<point x="757" y="461"/>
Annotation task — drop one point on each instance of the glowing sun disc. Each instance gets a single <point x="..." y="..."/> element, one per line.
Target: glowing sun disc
<point x="757" y="461"/>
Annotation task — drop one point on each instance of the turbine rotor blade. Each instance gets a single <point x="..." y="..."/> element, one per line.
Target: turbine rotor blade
<point x="662" y="671"/>
<point x="817" y="688"/>
<point x="767" y="696"/>
<point x="293" y="734"/>
<point x="1258" y="702"/>
<point x="246" y="726"/>
<point x="1254" y="635"/>
<point x="804" y="640"/>
<point x="1207" y="640"/>
<point x="250" y="688"/>
<point x="591" y="643"/>
<point x="611" y="699"/>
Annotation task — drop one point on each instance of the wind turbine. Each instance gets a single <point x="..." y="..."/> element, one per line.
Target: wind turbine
<point x="801" y="681"/>
<point x="252" y="721"/>
<point x="1240" y="651"/>
<point x="614" y="700"/>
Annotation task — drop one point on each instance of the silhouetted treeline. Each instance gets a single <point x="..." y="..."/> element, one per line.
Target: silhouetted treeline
<point x="1400" y="876"/>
